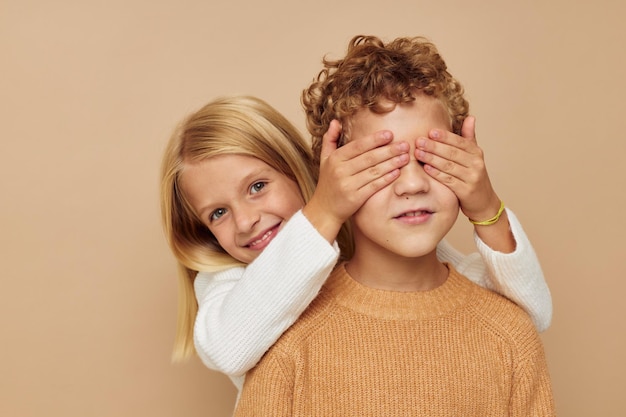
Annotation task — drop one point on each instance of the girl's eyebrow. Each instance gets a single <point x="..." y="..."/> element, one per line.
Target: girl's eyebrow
<point x="244" y="184"/>
<point x="255" y="175"/>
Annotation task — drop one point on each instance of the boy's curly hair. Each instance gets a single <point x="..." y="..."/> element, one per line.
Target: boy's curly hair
<point x="373" y="71"/>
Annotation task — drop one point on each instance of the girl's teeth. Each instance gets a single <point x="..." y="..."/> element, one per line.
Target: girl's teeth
<point x="265" y="236"/>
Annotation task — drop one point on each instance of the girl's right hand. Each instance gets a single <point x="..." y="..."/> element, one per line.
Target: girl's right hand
<point x="351" y="174"/>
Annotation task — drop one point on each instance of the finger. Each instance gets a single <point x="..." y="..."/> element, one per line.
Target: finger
<point x="441" y="155"/>
<point x="449" y="138"/>
<point x="375" y="160"/>
<point x="371" y="187"/>
<point x="446" y="179"/>
<point x="359" y="147"/>
<point x="330" y="138"/>
<point x="468" y="130"/>
<point x="461" y="179"/>
<point x="373" y="174"/>
<point x="449" y="167"/>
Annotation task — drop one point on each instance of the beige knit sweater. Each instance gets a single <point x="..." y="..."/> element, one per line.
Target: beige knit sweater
<point x="457" y="350"/>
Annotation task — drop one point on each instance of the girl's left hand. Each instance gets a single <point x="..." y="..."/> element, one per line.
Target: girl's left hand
<point x="458" y="162"/>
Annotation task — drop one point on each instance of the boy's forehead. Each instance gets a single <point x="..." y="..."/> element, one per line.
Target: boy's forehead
<point x="406" y="120"/>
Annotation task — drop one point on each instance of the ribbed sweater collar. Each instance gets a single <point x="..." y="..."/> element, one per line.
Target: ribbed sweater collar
<point x="395" y="305"/>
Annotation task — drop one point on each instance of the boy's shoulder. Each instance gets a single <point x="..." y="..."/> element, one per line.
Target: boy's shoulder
<point x="499" y="315"/>
<point x="323" y="312"/>
<point x="311" y="322"/>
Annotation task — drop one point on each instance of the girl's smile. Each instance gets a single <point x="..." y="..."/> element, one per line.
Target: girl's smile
<point x="259" y="243"/>
<point x="242" y="200"/>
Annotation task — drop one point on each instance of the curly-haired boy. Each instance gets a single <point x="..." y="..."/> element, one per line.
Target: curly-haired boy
<point x="395" y="332"/>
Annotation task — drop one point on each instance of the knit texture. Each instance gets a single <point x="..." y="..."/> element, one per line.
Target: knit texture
<point x="457" y="350"/>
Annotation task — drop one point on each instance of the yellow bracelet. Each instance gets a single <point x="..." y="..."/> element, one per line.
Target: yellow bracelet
<point x="491" y="220"/>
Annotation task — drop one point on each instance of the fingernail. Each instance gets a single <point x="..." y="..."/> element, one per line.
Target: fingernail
<point x="434" y="134"/>
<point x="402" y="146"/>
<point x="421" y="143"/>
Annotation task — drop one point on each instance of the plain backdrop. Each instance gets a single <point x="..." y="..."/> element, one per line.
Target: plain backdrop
<point x="91" y="90"/>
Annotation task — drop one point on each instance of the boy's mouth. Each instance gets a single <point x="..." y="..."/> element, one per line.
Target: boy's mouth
<point x="416" y="213"/>
<point x="414" y="217"/>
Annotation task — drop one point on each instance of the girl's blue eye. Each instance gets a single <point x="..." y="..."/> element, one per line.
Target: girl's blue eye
<point x="217" y="214"/>
<point x="257" y="186"/>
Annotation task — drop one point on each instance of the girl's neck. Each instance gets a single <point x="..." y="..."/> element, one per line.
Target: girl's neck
<point x="398" y="274"/>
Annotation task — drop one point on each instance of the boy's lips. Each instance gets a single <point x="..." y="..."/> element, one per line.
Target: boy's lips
<point x="263" y="239"/>
<point x="414" y="216"/>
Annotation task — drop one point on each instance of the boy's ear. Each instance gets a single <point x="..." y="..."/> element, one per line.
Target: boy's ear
<point x="342" y="139"/>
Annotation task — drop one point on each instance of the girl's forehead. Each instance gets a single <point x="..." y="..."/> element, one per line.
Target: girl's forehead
<point x="204" y="179"/>
<point x="232" y="164"/>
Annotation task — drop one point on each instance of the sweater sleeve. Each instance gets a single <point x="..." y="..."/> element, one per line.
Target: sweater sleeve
<point x="243" y="311"/>
<point x="268" y="390"/>
<point x="531" y="391"/>
<point x="516" y="275"/>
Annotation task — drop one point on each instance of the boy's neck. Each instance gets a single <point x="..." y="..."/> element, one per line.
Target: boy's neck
<point x="398" y="274"/>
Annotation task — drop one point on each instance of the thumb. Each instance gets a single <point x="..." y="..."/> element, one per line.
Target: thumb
<point x="330" y="138"/>
<point x="468" y="130"/>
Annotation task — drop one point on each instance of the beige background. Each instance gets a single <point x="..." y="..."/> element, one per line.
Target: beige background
<point x="90" y="92"/>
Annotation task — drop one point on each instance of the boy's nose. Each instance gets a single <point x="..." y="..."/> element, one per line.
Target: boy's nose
<point x="412" y="180"/>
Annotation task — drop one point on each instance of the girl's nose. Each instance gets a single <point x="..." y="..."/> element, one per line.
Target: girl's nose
<point x="246" y="217"/>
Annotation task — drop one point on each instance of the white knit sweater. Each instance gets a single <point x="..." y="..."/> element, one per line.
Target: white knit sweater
<point x="243" y="311"/>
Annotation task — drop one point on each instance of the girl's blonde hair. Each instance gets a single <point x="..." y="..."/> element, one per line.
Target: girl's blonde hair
<point x="240" y="125"/>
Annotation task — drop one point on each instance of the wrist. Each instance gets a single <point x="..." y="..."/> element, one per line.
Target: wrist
<point x="483" y="221"/>
<point x="322" y="220"/>
<point x="498" y="236"/>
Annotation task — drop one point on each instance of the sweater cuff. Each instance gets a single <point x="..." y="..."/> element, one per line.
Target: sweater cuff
<point x="518" y="275"/>
<point x="522" y="244"/>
